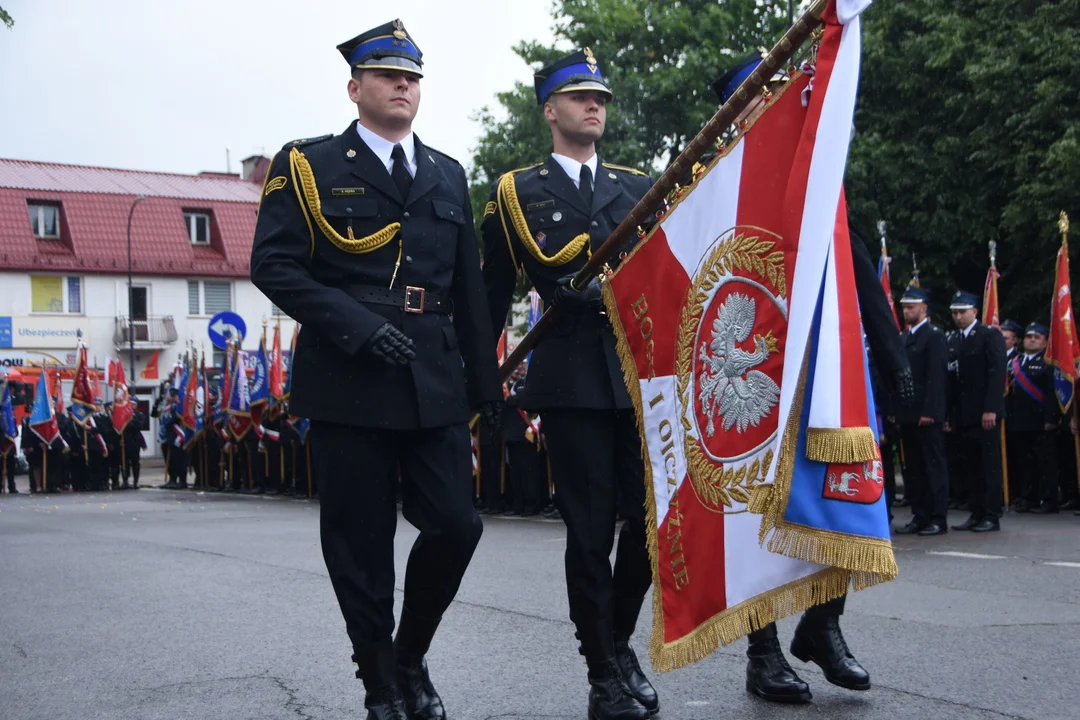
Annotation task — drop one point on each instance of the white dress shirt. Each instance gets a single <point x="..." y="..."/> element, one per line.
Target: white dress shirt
<point x="915" y="328"/>
<point x="383" y="148"/>
<point x="573" y="168"/>
<point x="967" y="331"/>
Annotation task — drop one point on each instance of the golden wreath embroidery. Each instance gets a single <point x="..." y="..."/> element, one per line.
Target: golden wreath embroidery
<point x="746" y="399"/>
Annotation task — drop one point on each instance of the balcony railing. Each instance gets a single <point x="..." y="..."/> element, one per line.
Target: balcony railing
<point x="152" y="331"/>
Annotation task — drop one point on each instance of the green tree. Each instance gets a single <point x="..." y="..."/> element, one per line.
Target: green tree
<point x="968" y="130"/>
<point x="6" y="18"/>
<point x="659" y="57"/>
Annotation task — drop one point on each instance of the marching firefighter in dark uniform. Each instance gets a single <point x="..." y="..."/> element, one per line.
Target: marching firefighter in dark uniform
<point x="366" y="238"/>
<point x="926" y="478"/>
<point x="546" y="220"/>
<point x="978" y="405"/>
<point x="1033" y="419"/>
<point x="112" y="444"/>
<point x="818" y="637"/>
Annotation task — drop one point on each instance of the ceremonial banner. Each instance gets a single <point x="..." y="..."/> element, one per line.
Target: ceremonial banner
<point x="82" y="392"/>
<point x="239" y="407"/>
<point x="42" y="419"/>
<point x="756" y="246"/>
<point x="123" y="410"/>
<point x="9" y="429"/>
<point x="990" y="314"/>
<point x="260" y="388"/>
<point x="277" y="373"/>
<point x="886" y="281"/>
<point x="1062" y="349"/>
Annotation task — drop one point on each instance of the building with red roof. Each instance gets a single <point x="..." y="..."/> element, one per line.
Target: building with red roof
<point x="64" y="263"/>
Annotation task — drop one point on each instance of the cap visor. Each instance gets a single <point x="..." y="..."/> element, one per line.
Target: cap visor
<point x="586" y="85"/>
<point x="390" y="62"/>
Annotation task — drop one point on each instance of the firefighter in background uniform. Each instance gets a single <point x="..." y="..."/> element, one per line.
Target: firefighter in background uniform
<point x="78" y="472"/>
<point x="547" y="220"/>
<point x="978" y="406"/>
<point x="520" y="449"/>
<point x="1011" y="332"/>
<point x="926" y="479"/>
<point x="366" y="238"/>
<point x="1033" y="424"/>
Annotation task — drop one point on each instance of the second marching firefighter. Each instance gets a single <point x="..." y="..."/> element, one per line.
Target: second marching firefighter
<point x="546" y="220"/>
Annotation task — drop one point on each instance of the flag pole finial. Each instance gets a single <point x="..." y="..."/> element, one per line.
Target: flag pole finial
<point x="1063" y="225"/>
<point x="993" y="252"/>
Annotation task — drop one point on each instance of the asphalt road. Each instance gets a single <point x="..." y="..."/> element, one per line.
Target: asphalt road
<point x="158" y="604"/>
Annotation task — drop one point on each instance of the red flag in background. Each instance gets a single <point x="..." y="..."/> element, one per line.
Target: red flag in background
<point x="58" y="388"/>
<point x="277" y="385"/>
<point x="885" y="277"/>
<point x="991" y="315"/>
<point x="150" y="372"/>
<point x="1062" y="351"/>
<point x="122" y="410"/>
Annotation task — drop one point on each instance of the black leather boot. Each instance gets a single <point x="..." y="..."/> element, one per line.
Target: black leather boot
<point x="818" y="639"/>
<point x="412" y="643"/>
<point x="624" y="621"/>
<point x="376" y="667"/>
<point x="768" y="674"/>
<point x="609" y="696"/>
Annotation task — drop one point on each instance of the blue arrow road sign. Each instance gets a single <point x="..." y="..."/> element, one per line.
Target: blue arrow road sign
<point x="226" y="325"/>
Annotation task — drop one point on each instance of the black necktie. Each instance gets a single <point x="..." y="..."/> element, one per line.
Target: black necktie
<point x="400" y="173"/>
<point x="585" y="185"/>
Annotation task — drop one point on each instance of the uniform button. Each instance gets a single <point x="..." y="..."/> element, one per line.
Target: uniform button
<point x="348" y="210"/>
<point x="405" y="215"/>
<point x="595" y="224"/>
<point x="408" y="259"/>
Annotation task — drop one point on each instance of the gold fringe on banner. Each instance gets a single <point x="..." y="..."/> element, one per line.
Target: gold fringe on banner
<point x="737" y="622"/>
<point x="870" y="559"/>
<point x="841" y="445"/>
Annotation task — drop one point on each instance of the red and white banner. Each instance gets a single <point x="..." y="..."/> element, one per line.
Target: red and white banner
<point x="705" y="310"/>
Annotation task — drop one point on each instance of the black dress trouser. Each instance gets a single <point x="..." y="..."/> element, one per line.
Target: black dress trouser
<point x="356" y="470"/>
<point x="926" y="473"/>
<point x="1034" y="459"/>
<point x="598" y="469"/>
<point x="980" y="453"/>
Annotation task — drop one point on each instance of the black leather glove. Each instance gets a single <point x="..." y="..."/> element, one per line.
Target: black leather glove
<point x="904" y="384"/>
<point x="587" y="299"/>
<point x="491" y="416"/>
<point x="392" y="345"/>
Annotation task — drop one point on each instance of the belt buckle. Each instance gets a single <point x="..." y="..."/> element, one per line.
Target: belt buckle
<point x="414" y="299"/>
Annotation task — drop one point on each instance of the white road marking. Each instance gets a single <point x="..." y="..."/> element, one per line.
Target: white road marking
<point x="974" y="556"/>
<point x="1064" y="564"/>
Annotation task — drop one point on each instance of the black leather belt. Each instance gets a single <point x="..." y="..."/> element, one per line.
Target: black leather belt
<point x="410" y="299"/>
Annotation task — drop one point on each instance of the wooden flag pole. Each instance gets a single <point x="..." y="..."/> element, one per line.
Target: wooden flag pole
<point x="781" y="53"/>
<point x="44" y="468"/>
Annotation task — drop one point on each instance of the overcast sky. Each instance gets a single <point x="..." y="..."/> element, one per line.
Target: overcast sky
<point x="167" y="86"/>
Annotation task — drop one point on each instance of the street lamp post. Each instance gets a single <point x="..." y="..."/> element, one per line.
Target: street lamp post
<point x="131" y="294"/>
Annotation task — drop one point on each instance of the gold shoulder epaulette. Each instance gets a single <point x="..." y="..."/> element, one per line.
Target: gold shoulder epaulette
<point x="633" y="171"/>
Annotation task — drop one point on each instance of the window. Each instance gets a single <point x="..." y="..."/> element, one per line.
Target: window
<point x="198" y="225"/>
<point x="45" y="220"/>
<point x="276" y="311"/>
<point x="193" y="297"/>
<point x="55" y="294"/>
<point x="215" y="297"/>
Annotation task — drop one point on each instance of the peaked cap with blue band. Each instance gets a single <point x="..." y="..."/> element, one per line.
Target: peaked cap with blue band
<point x="914" y="295"/>
<point x="1013" y="327"/>
<point x="964" y="301"/>
<point x="387" y="47"/>
<point x="577" y="71"/>
<point x="1037" y="329"/>
<point x="726" y="85"/>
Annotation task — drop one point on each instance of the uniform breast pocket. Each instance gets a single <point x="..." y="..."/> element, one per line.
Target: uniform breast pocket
<point x="548" y="227"/>
<point x="618" y="210"/>
<point x="449" y="219"/>
<point x="359" y="213"/>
